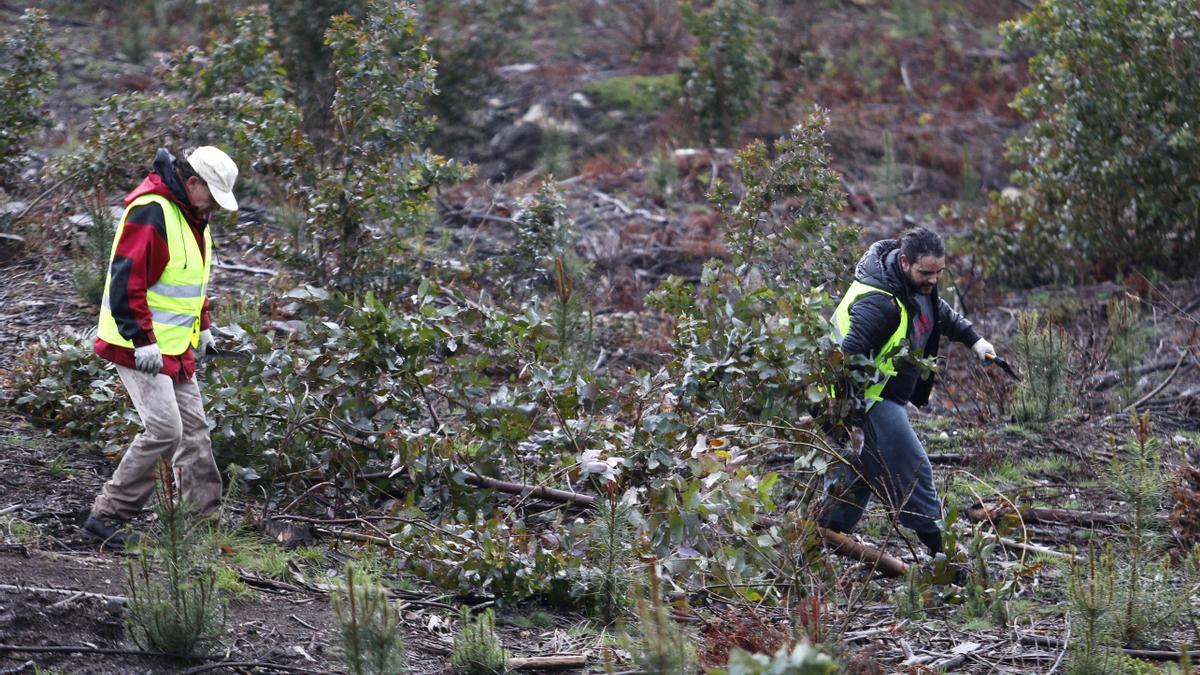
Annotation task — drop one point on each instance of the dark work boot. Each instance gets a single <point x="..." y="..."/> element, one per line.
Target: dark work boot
<point x="932" y="540"/>
<point x="114" y="534"/>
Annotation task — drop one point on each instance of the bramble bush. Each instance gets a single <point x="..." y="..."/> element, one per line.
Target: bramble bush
<point x="1112" y="156"/>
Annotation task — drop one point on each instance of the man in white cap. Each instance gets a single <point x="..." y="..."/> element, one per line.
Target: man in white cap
<point x="154" y="324"/>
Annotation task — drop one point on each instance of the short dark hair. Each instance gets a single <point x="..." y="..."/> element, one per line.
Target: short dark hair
<point x="918" y="242"/>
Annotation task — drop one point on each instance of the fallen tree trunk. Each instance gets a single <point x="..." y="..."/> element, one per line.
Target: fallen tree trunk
<point x="838" y="543"/>
<point x="982" y="513"/>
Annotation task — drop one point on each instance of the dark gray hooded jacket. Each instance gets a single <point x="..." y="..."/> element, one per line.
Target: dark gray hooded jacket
<point x="874" y="317"/>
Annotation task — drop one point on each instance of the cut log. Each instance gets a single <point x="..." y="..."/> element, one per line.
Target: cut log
<point x="843" y="545"/>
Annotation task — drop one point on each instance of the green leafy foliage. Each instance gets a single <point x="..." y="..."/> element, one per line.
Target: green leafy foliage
<point x="1112" y="156"/>
<point x="233" y="91"/>
<point x="722" y="77"/>
<point x="384" y="76"/>
<point x="477" y="649"/>
<point x="368" y="626"/>
<point x="92" y="267"/>
<point x="1126" y="344"/>
<point x="174" y="605"/>
<point x="301" y="26"/>
<point x="26" y="76"/>
<point x="59" y="382"/>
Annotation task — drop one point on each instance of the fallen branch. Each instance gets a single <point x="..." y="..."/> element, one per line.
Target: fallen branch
<point x="1107" y="379"/>
<point x="555" y="662"/>
<point x="1163" y="384"/>
<point x="85" y="649"/>
<point x="246" y="269"/>
<point x="982" y="513"/>
<point x="526" y="491"/>
<point x="1148" y="654"/>
<point x="838" y="543"/>
<point x="232" y="665"/>
<point x="1029" y="548"/>
<point x="119" y="599"/>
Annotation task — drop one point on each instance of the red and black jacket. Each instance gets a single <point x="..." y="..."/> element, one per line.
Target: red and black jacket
<point x="138" y="261"/>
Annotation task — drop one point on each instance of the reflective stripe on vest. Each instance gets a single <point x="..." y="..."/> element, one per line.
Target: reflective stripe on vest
<point x="177" y="298"/>
<point x="885" y="367"/>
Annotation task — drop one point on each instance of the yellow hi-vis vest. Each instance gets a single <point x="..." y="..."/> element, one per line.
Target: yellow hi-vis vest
<point x="884" y="363"/>
<point x="177" y="299"/>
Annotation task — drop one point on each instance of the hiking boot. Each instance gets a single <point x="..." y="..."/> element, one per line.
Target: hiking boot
<point x="114" y="534"/>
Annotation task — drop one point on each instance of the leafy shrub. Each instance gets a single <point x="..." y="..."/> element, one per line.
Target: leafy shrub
<point x="644" y="29"/>
<point x="174" y="605"/>
<point x="637" y="94"/>
<point x="232" y="91"/>
<point x="26" y="78"/>
<point x="368" y="626"/>
<point x="722" y="77"/>
<point x="384" y="76"/>
<point x="1044" y="351"/>
<point x="301" y="28"/>
<point x="477" y="648"/>
<point x="61" y="383"/>
<point x="1112" y="156"/>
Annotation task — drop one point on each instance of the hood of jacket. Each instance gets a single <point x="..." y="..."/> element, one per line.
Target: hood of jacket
<point x="163" y="181"/>
<point x="880" y="267"/>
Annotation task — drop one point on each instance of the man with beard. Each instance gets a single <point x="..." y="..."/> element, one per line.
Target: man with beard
<point x="894" y="302"/>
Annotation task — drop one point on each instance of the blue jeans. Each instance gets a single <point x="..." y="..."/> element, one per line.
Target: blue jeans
<point x="893" y="466"/>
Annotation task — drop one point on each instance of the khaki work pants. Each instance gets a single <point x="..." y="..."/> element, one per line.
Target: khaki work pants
<point x="174" y="427"/>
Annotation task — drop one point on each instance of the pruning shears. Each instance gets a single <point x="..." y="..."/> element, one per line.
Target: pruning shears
<point x="1008" y="370"/>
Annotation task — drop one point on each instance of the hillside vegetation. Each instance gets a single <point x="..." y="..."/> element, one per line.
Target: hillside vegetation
<point x="523" y="328"/>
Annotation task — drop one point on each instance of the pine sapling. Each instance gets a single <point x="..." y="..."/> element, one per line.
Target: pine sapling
<point x="477" y="648"/>
<point x="369" y="627"/>
<point x="174" y="606"/>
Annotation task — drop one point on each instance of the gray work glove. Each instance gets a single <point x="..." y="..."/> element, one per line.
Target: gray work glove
<point x="984" y="350"/>
<point x="148" y="359"/>
<point x="206" y="341"/>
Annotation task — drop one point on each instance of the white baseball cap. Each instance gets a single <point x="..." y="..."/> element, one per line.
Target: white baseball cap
<point x="218" y="171"/>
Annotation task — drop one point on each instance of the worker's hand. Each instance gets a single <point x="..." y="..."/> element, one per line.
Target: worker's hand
<point x="206" y="341"/>
<point x="984" y="350"/>
<point x="148" y="359"/>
